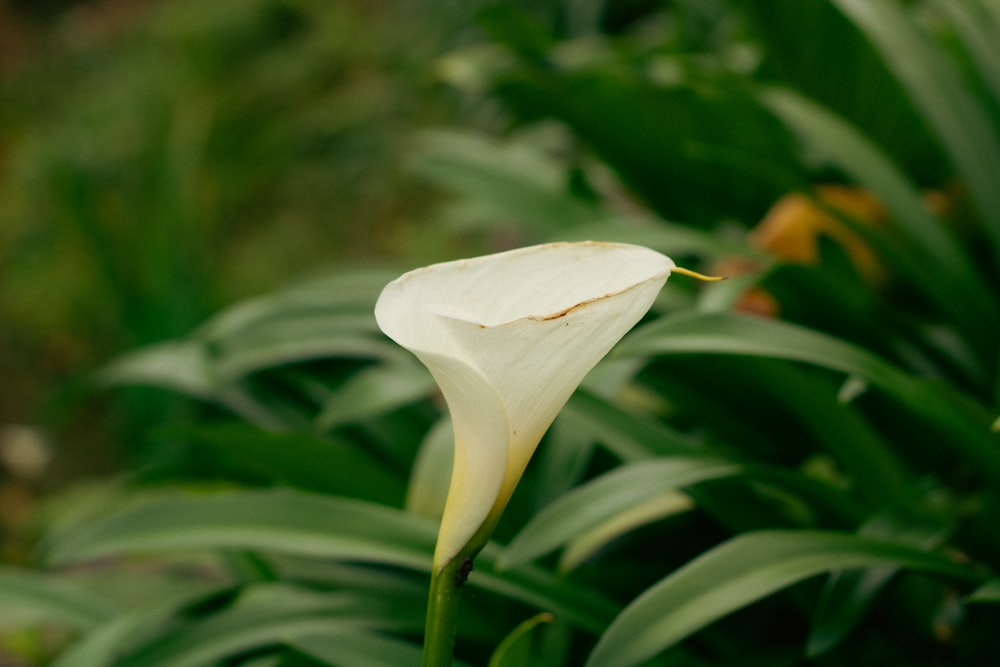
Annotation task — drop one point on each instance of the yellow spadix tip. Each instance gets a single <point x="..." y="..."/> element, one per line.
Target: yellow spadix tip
<point x="695" y="274"/>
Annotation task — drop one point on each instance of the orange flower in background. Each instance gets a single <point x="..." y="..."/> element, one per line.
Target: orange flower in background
<point x="792" y="228"/>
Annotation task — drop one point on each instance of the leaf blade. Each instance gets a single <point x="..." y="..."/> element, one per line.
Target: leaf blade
<point x="737" y="573"/>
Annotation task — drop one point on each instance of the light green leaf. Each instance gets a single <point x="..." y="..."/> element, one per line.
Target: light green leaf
<point x="292" y="342"/>
<point x="374" y="391"/>
<point x="431" y="472"/>
<point x="28" y="598"/>
<point x="301" y="524"/>
<point x="103" y="645"/>
<point x="729" y="333"/>
<point x="738" y="573"/>
<point x="341" y="647"/>
<point x="514" y="181"/>
<point x="605" y="497"/>
<point x="279" y="521"/>
<point x="262" y="616"/>
<point x="181" y="366"/>
<point x="978" y="32"/>
<point x="651" y="510"/>
<point x="342" y="293"/>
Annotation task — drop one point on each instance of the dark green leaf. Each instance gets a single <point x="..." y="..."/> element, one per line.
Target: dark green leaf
<point x="966" y="423"/>
<point x="737" y="573"/>
<point x="961" y="123"/>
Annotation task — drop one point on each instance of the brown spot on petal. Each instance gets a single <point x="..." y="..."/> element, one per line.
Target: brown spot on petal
<point x="566" y="311"/>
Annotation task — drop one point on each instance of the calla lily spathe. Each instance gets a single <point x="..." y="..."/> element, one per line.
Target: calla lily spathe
<point x="508" y="338"/>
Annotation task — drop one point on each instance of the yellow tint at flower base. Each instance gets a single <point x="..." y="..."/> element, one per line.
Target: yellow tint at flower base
<point x="508" y="338"/>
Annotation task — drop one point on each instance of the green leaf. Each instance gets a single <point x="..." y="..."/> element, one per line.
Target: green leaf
<point x="729" y="333"/>
<point x="801" y="39"/>
<point x="839" y="142"/>
<point x="603" y="498"/>
<point x="181" y="366"/>
<point x="343" y="647"/>
<point x="966" y="424"/>
<point x="330" y="316"/>
<point x="584" y="607"/>
<point x="28" y="598"/>
<point x="691" y="148"/>
<point x="988" y="592"/>
<point x="262" y="616"/>
<point x="348" y="293"/>
<point x="102" y="645"/>
<point x="951" y="283"/>
<point x="516" y="649"/>
<point x="374" y="391"/>
<point x="301" y="460"/>
<point x="737" y="573"/>
<point x="872" y="465"/>
<point x="280" y="521"/>
<point x="651" y="510"/>
<point x="961" y="123"/>
<point x="977" y="31"/>
<point x="431" y="472"/>
<point x="514" y="181"/>
<point x="295" y="523"/>
<point x="847" y="595"/>
<point x="671" y="239"/>
<point x="628" y="435"/>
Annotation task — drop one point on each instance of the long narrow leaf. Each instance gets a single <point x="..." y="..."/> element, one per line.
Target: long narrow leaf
<point x="102" y="646"/>
<point x="978" y="34"/>
<point x="960" y="122"/>
<point x="946" y="277"/>
<point x="294" y="523"/>
<point x="31" y="597"/>
<point x="966" y="423"/>
<point x="601" y="499"/>
<point x="348" y="647"/>
<point x="737" y="573"/>
<point x="264" y="616"/>
<point x="278" y="521"/>
<point x="847" y="595"/>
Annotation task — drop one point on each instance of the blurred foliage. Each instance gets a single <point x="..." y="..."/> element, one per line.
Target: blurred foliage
<point x="797" y="466"/>
<point x="163" y="159"/>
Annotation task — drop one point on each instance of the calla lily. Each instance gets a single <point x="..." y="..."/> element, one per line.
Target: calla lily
<point x="508" y="338"/>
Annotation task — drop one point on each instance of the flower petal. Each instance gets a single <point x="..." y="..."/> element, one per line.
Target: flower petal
<point x="509" y="337"/>
<point x="482" y="435"/>
<point x="534" y="365"/>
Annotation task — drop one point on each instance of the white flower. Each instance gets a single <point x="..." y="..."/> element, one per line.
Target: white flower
<point x="508" y="338"/>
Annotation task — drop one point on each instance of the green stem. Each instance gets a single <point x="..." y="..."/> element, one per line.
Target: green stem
<point x="446" y="592"/>
<point x="442" y="612"/>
